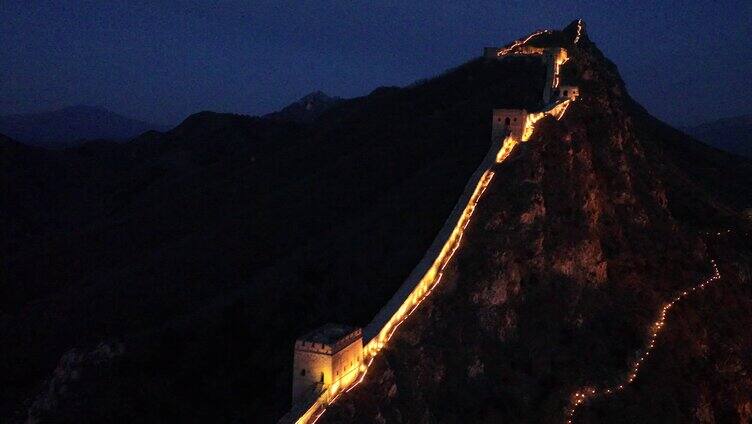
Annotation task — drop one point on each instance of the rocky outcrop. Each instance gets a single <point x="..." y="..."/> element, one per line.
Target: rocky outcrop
<point x="75" y="367"/>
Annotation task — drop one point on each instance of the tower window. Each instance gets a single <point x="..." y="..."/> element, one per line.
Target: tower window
<point x="302" y="372"/>
<point x="321" y="379"/>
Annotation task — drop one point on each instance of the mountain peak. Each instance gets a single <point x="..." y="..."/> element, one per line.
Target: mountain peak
<point x="576" y="30"/>
<point x="317" y="95"/>
<point x="306" y="109"/>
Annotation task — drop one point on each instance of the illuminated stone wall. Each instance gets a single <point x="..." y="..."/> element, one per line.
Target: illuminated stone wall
<point x="346" y="363"/>
<point x="310" y="362"/>
<point x="425" y="275"/>
<point x="553" y="59"/>
<point x="327" y="367"/>
<point x="429" y="270"/>
<point x="348" y="366"/>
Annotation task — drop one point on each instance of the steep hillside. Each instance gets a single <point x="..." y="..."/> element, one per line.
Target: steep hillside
<point x="169" y="281"/>
<point x="582" y="236"/>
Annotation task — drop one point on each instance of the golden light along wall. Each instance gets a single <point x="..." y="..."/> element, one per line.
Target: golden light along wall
<point x="429" y="280"/>
<point x="579" y="31"/>
<point x="506" y="149"/>
<point x="520" y="42"/>
<point x="435" y="272"/>
<point x="434" y="275"/>
<point x="578" y="398"/>
<point x="559" y="59"/>
<point x="557" y="111"/>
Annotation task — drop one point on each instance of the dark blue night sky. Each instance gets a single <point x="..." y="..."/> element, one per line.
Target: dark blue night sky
<point x="684" y="61"/>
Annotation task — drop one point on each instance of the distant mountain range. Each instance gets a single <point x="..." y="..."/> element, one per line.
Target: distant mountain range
<point x="731" y="134"/>
<point x="71" y="125"/>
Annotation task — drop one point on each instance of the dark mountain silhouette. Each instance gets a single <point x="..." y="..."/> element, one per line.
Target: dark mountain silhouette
<point x="166" y="279"/>
<point x="731" y="134"/>
<point x="307" y="109"/>
<point x="71" y="125"/>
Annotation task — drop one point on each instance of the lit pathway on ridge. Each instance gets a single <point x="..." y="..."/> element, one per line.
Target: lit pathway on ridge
<point x="578" y="398"/>
<point x="520" y="42"/>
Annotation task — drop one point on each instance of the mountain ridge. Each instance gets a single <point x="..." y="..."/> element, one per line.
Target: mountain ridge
<point x="72" y="125"/>
<point x="306" y="109"/>
<point x="733" y="134"/>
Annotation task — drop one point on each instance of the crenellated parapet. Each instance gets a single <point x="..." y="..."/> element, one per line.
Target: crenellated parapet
<point x="508" y="123"/>
<point x="327" y="357"/>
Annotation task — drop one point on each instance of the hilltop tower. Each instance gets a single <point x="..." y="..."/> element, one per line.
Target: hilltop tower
<point x="566" y="92"/>
<point x="508" y="122"/>
<point x="326" y="358"/>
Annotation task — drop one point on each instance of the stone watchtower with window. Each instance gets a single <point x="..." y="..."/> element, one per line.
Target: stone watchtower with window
<point x="508" y="122"/>
<point x="328" y="356"/>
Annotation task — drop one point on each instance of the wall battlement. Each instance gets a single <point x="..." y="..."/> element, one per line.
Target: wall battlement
<point x="508" y="123"/>
<point x="324" y="359"/>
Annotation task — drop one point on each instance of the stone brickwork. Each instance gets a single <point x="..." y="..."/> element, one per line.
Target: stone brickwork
<point x="508" y="122"/>
<point x="324" y="357"/>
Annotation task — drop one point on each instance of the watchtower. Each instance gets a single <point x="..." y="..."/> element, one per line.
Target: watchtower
<point x="566" y="92"/>
<point x="328" y="356"/>
<point x="508" y="122"/>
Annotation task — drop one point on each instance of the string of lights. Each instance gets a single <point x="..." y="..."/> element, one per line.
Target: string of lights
<point x="579" y="397"/>
<point x="579" y="31"/>
<point x="520" y="42"/>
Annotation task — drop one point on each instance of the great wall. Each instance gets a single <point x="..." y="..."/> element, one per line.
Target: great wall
<point x="334" y="359"/>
